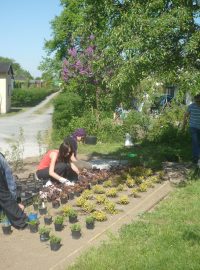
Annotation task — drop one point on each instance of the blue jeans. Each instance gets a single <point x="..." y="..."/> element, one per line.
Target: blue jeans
<point x="195" y="134"/>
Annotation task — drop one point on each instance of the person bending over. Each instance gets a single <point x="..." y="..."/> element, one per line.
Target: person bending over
<point x="56" y="166"/>
<point x="77" y="136"/>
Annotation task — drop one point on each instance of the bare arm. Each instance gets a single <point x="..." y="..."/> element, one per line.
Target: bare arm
<point x="53" y="157"/>
<point x="74" y="168"/>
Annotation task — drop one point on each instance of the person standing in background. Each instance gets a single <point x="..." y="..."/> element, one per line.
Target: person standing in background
<point x="193" y="114"/>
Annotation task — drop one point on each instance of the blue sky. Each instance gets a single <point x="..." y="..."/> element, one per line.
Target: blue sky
<point x="25" y="24"/>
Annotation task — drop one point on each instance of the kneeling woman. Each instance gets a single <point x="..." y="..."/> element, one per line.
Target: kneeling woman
<point x="56" y="166"/>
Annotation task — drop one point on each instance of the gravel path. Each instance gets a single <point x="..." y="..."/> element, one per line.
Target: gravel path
<point x="31" y="121"/>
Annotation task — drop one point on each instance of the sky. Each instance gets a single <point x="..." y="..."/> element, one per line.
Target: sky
<point x="25" y="25"/>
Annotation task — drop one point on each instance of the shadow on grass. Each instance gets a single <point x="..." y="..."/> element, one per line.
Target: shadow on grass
<point x="192" y="236"/>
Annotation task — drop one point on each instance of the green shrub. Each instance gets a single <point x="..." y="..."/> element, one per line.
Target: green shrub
<point x="29" y="97"/>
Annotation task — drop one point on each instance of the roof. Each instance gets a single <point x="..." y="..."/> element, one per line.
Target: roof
<point x="5" y="68"/>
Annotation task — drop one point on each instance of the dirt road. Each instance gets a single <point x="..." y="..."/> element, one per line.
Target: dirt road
<point x="38" y="118"/>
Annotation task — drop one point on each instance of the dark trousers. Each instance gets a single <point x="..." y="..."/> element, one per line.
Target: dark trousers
<point x="195" y="134"/>
<point x="16" y="216"/>
<point x="62" y="169"/>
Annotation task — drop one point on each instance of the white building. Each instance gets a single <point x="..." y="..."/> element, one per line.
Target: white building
<point x="6" y="86"/>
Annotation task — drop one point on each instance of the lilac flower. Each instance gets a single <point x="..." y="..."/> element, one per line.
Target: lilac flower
<point x="72" y="52"/>
<point x="91" y="37"/>
<point x="89" y="50"/>
<point x="65" y="62"/>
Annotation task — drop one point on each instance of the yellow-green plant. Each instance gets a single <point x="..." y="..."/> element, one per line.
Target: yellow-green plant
<point x="100" y="198"/>
<point x="134" y="192"/>
<point x="123" y="199"/>
<point x="87" y="194"/>
<point x="130" y="182"/>
<point x="120" y="187"/>
<point x="139" y="180"/>
<point x="88" y="206"/>
<point x="98" y="189"/>
<point x="149" y="183"/>
<point x="99" y="215"/>
<point x="66" y="209"/>
<point x="112" y="192"/>
<point x="110" y="207"/>
<point x="80" y="201"/>
<point x="143" y="187"/>
<point x="107" y="183"/>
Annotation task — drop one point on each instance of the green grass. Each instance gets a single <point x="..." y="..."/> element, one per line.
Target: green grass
<point x="166" y="239"/>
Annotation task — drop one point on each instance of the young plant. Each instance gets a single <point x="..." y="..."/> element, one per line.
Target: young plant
<point x="88" y="206"/>
<point x="99" y="215"/>
<point x="107" y="184"/>
<point x="134" y="192"/>
<point x="98" y="189"/>
<point x="44" y="230"/>
<point x="59" y="220"/>
<point x="80" y="201"/>
<point x="100" y="199"/>
<point x="87" y="194"/>
<point x="123" y="199"/>
<point x="54" y="239"/>
<point x="143" y="187"/>
<point x="75" y="227"/>
<point x="110" y="207"/>
<point x="89" y="219"/>
<point x="112" y="192"/>
<point x="66" y="209"/>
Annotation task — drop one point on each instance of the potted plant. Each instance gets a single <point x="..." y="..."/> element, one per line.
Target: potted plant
<point x="48" y="219"/>
<point x="58" y="223"/>
<point x="33" y="225"/>
<point x="44" y="233"/>
<point x="63" y="198"/>
<point x="76" y="230"/>
<point x="55" y="242"/>
<point x="5" y="223"/>
<point x="42" y="209"/>
<point x="35" y="203"/>
<point x="70" y="194"/>
<point x="32" y="216"/>
<point x="89" y="220"/>
<point x="72" y="214"/>
<point x="55" y="204"/>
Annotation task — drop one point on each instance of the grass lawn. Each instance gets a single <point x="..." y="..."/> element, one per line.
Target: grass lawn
<point x="167" y="238"/>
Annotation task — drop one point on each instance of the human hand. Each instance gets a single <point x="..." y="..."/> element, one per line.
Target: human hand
<point x="65" y="181"/>
<point x="21" y="206"/>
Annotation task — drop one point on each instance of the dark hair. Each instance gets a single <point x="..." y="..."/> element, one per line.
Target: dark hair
<point x="65" y="152"/>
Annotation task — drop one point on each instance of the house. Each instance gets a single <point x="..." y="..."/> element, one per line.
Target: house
<point x="6" y="86"/>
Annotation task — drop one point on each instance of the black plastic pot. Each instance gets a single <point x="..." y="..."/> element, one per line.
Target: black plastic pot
<point x="44" y="237"/>
<point x="91" y="140"/>
<point x="47" y="220"/>
<point x="90" y="226"/>
<point x="43" y="211"/>
<point x="6" y="229"/>
<point x="55" y="246"/>
<point x="71" y="195"/>
<point x="33" y="228"/>
<point x="64" y="200"/>
<point x="58" y="227"/>
<point x="76" y="234"/>
<point x="55" y="204"/>
<point x="73" y="219"/>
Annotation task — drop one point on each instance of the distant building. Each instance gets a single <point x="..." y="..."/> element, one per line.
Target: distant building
<point x="6" y="86"/>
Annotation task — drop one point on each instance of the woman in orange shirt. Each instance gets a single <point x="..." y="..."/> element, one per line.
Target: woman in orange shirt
<point x="56" y="166"/>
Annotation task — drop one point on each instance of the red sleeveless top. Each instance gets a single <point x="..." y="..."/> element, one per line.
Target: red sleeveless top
<point x="46" y="160"/>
